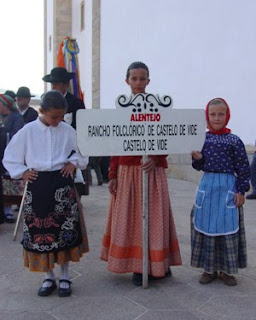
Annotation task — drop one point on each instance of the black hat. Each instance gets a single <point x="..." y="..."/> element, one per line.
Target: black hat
<point x="10" y="94"/>
<point x="59" y="74"/>
<point x="24" y="92"/>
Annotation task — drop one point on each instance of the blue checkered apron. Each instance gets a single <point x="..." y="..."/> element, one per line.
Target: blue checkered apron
<point x="215" y="212"/>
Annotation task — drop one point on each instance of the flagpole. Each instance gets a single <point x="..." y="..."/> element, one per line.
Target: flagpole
<point x="145" y="225"/>
<point x="20" y="212"/>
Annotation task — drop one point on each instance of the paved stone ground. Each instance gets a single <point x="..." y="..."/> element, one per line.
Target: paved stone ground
<point x="101" y="295"/>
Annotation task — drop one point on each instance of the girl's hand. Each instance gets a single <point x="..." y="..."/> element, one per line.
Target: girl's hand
<point x="197" y="155"/>
<point x="148" y="165"/>
<point x="30" y="175"/>
<point x="112" y="187"/>
<point x="68" y="170"/>
<point x="239" y="199"/>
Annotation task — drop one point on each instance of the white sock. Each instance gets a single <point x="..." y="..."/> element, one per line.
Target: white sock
<point x="7" y="209"/>
<point x="64" y="276"/>
<point x="48" y="275"/>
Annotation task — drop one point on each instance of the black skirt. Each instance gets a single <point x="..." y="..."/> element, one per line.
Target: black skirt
<point x="51" y="218"/>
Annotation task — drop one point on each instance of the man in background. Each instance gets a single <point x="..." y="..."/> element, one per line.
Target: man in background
<point x="23" y="98"/>
<point x="59" y="79"/>
<point x="11" y="94"/>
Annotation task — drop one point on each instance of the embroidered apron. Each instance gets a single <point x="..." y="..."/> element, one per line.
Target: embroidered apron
<point x="51" y="217"/>
<point x="215" y="212"/>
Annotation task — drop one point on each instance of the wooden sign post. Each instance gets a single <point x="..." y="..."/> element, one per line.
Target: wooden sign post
<point x="145" y="226"/>
<point x="144" y="124"/>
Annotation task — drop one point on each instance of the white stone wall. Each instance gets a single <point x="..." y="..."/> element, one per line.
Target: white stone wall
<point x="84" y="40"/>
<point x="49" y="35"/>
<point x="180" y="166"/>
<point x="196" y="50"/>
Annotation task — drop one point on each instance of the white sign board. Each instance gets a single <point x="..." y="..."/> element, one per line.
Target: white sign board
<point x="141" y="125"/>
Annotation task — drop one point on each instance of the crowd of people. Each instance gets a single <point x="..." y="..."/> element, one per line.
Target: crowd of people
<point x="54" y="230"/>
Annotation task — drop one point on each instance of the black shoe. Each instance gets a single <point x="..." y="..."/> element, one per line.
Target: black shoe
<point x="207" y="278"/>
<point x="67" y="291"/>
<point x="251" y="196"/>
<point x="9" y="218"/>
<point x="137" y="279"/>
<point x="150" y="277"/>
<point x="168" y="273"/>
<point x="46" y="291"/>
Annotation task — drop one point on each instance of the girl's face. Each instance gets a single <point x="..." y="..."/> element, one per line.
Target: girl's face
<point x="217" y="116"/>
<point x="4" y="110"/>
<point x="52" y="117"/>
<point x="138" y="80"/>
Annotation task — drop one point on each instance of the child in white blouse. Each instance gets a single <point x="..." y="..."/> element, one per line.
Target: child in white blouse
<point x="45" y="154"/>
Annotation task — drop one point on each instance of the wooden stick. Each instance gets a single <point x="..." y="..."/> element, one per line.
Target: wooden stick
<point x="20" y="212"/>
<point x="145" y="226"/>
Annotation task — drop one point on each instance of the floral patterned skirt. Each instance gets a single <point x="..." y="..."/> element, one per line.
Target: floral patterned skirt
<point x="54" y="228"/>
<point x="12" y="190"/>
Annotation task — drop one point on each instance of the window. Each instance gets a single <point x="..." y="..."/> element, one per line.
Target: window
<point x="50" y="43"/>
<point x="82" y="23"/>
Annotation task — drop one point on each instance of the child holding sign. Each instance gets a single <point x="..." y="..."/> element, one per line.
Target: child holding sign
<point x="218" y="235"/>
<point x="45" y="154"/>
<point x="122" y="241"/>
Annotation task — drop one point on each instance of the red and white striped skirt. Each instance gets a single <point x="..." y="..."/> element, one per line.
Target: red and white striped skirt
<point x="122" y="243"/>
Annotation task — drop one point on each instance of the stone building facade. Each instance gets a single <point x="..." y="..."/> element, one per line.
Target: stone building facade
<point x="58" y="15"/>
<point x="179" y="42"/>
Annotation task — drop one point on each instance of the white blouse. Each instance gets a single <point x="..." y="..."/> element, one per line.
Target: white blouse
<point x="42" y="148"/>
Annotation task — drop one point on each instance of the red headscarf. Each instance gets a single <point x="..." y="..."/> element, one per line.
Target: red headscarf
<point x="6" y="100"/>
<point x="224" y="129"/>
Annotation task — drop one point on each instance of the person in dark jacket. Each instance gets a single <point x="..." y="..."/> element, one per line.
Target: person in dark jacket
<point x="11" y="94"/>
<point x="11" y="122"/>
<point x="23" y="98"/>
<point x="59" y="79"/>
<point x="2" y="215"/>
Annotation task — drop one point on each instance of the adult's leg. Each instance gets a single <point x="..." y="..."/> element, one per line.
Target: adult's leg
<point x="253" y="179"/>
<point x="104" y="164"/>
<point x="96" y="166"/>
<point x="1" y="202"/>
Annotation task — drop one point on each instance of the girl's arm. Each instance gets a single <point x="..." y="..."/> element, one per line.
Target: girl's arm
<point x="113" y="167"/>
<point x="76" y="158"/>
<point x="30" y="175"/>
<point x="197" y="160"/>
<point x="242" y="168"/>
<point x="68" y="170"/>
<point x="112" y="187"/>
<point x="14" y="156"/>
<point x="239" y="199"/>
<point x="113" y="174"/>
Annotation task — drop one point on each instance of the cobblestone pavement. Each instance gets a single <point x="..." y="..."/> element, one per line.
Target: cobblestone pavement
<point x="101" y="295"/>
